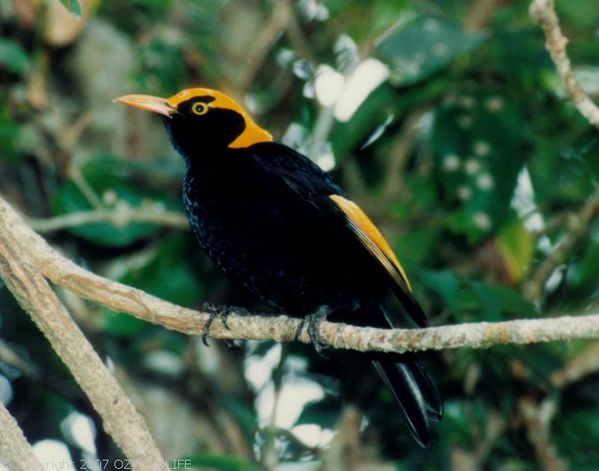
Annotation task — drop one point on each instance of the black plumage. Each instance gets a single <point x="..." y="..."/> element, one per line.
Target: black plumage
<point x="274" y="221"/>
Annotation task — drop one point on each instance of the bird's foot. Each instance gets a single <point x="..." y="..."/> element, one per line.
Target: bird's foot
<point x="215" y="312"/>
<point x="313" y="320"/>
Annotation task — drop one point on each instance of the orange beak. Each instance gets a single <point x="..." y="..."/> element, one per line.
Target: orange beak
<point x="153" y="104"/>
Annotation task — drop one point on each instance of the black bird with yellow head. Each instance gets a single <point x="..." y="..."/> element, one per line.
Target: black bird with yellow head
<point x="273" y="221"/>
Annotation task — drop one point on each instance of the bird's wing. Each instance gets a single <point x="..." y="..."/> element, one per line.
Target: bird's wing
<point x="372" y="239"/>
<point x="313" y="185"/>
<point x="374" y="242"/>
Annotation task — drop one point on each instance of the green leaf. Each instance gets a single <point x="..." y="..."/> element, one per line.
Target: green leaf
<point x="244" y="415"/>
<point x="577" y="435"/>
<point x="417" y="49"/>
<point x="516" y="245"/>
<point x="491" y="310"/>
<point x="9" y="133"/>
<point x="478" y="143"/>
<point x="324" y="412"/>
<point x="445" y="284"/>
<point x="159" y="62"/>
<point x="14" y="57"/>
<point x="169" y="273"/>
<point x="219" y="462"/>
<point x="511" y="301"/>
<point x="69" y="199"/>
<point x="120" y="324"/>
<point x="73" y="6"/>
<point x="110" y="181"/>
<point x="372" y="112"/>
<point x="583" y="281"/>
<point x="456" y="424"/>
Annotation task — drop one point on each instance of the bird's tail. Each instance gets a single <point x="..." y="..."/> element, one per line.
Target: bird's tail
<point x="412" y="388"/>
<point x="415" y="393"/>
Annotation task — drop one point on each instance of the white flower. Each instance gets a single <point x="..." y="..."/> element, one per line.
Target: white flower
<point x="472" y="166"/>
<point x="481" y="148"/>
<point x="451" y="163"/>
<point x="494" y="104"/>
<point x="109" y="197"/>
<point x="485" y="181"/>
<point x="482" y="221"/>
<point x="464" y="193"/>
<point x="467" y="102"/>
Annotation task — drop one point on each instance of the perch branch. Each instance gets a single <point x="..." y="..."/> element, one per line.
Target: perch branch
<point x="543" y="11"/>
<point x="15" y="451"/>
<point x="119" y="297"/>
<point x="35" y="296"/>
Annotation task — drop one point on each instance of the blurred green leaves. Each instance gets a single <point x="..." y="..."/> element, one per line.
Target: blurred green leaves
<point x="166" y="271"/>
<point x="422" y="46"/>
<point x="107" y="178"/>
<point x="219" y="462"/>
<point x="13" y="57"/>
<point x="478" y="142"/>
<point x="73" y="6"/>
<point x="9" y="133"/>
<point x="470" y="300"/>
<point x="160" y="66"/>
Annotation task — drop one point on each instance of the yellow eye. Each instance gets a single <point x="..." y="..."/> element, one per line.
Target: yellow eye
<point x="200" y="108"/>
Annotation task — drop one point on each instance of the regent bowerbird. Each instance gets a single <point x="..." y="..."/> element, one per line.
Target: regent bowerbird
<point x="273" y="221"/>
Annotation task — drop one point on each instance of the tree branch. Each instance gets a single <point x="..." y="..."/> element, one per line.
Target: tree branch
<point x="119" y="216"/>
<point x="265" y="41"/>
<point x="543" y="11"/>
<point x="577" y="226"/>
<point x="537" y="420"/>
<point x="584" y="364"/>
<point x="123" y="298"/>
<point x="35" y="296"/>
<point x="15" y="451"/>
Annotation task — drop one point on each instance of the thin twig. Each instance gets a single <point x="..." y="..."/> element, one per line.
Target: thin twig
<point x="543" y="11"/>
<point x="398" y="156"/>
<point x="479" y="14"/>
<point x="584" y="364"/>
<point x="15" y="452"/>
<point x="537" y="420"/>
<point x="119" y="216"/>
<point x="84" y="187"/>
<point x="322" y="129"/>
<point x="577" y="227"/>
<point x="35" y="296"/>
<point x="265" y="41"/>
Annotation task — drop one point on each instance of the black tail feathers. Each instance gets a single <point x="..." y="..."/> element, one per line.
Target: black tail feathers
<point x="411" y="386"/>
<point x="415" y="393"/>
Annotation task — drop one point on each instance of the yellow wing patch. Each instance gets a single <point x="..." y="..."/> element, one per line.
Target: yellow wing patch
<point x="252" y="134"/>
<point x="372" y="239"/>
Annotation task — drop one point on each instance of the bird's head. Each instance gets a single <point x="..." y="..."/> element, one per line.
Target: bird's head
<point x="202" y="118"/>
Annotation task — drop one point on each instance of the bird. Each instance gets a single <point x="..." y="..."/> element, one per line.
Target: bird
<point x="275" y="222"/>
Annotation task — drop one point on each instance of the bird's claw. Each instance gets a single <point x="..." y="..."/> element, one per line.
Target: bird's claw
<point x="314" y="321"/>
<point x="214" y="313"/>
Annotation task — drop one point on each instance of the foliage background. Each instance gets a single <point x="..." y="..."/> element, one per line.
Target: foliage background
<point x="467" y="155"/>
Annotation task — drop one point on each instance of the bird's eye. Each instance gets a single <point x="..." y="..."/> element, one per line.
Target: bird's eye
<point x="200" y="108"/>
